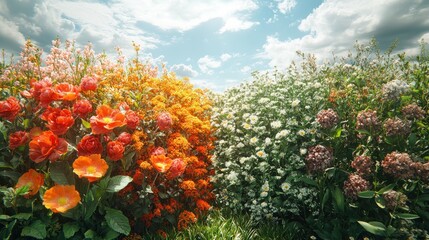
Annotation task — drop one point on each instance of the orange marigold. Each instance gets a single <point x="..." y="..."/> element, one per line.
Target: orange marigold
<point x="33" y="180"/>
<point x="146" y="165"/>
<point x="161" y="163"/>
<point x="185" y="218"/>
<point x="106" y="120"/>
<point x="203" y="205"/>
<point x="91" y="167"/>
<point x="187" y="185"/>
<point x="61" y="198"/>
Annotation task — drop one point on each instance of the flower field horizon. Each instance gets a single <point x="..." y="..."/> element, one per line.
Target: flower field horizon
<point x="95" y="148"/>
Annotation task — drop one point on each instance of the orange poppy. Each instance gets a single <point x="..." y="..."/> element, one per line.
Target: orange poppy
<point x="91" y="167"/>
<point x="61" y="198"/>
<point x="106" y="120"/>
<point x="33" y="180"/>
<point x="47" y="145"/>
<point x="66" y="92"/>
<point x="161" y="163"/>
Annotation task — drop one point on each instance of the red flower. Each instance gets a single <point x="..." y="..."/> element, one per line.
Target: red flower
<point x="47" y="146"/>
<point x="132" y="119"/>
<point x="37" y="88"/>
<point x="158" y="151"/>
<point x="47" y="95"/>
<point x="89" y="145"/>
<point x="17" y="139"/>
<point x="9" y="108"/>
<point x="88" y="84"/>
<point x="177" y="168"/>
<point x="115" y="150"/>
<point x="106" y="120"/>
<point x="66" y="92"/>
<point x="164" y="121"/>
<point x="59" y="120"/>
<point x="81" y="108"/>
<point x="124" y="138"/>
<point x="33" y="180"/>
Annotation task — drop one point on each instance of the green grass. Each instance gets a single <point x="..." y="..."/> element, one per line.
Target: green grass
<point x="227" y="226"/>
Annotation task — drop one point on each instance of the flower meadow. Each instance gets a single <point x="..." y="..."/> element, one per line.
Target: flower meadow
<point x="95" y="148"/>
<point x="98" y="149"/>
<point x="340" y="149"/>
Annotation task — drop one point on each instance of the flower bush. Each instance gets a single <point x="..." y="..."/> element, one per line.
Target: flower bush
<point x="263" y="131"/>
<point x="341" y="148"/>
<point x="97" y="149"/>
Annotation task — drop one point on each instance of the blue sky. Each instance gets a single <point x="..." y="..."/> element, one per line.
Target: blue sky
<point x="216" y="43"/>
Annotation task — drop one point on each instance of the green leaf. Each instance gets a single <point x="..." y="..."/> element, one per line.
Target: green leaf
<point x="22" y="190"/>
<point x="4" y="217"/>
<point x="110" y="235"/>
<point x="412" y="139"/>
<point x="338" y="133"/>
<point x="325" y="198"/>
<point x="366" y="194"/>
<point x="90" y="234"/>
<point x="7" y="231"/>
<point x="37" y="230"/>
<point x="22" y="216"/>
<point x="309" y="181"/>
<point x="85" y="124"/>
<point x="61" y="173"/>
<point x="386" y="188"/>
<point x="5" y="165"/>
<point x="408" y="216"/>
<point x="90" y="204"/>
<point x="70" y="228"/>
<point x="117" y="221"/>
<point x="381" y="203"/>
<point x="127" y="160"/>
<point x="117" y="183"/>
<point x="339" y="199"/>
<point x="376" y="228"/>
<point x="10" y="174"/>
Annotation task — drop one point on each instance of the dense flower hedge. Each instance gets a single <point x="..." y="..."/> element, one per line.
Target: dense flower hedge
<point x="94" y="149"/>
<point x="341" y="148"/>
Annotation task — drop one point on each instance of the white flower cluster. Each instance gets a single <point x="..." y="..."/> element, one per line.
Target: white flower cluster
<point x="263" y="130"/>
<point x="394" y="89"/>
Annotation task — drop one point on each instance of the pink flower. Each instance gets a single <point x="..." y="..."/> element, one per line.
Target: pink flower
<point x="164" y="121"/>
<point x="88" y="84"/>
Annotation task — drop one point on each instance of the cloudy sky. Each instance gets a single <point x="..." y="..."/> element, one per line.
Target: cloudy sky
<point x="216" y="43"/>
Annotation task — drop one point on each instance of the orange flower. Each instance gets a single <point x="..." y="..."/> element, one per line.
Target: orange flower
<point x="91" y="167"/>
<point x="203" y="205"/>
<point x="106" y="120"/>
<point x="47" y="145"/>
<point x="33" y="180"/>
<point x="187" y="185"/>
<point x="59" y="120"/>
<point x="145" y="165"/>
<point x="18" y="139"/>
<point x="9" y="108"/>
<point x="66" y="92"/>
<point x="185" y="218"/>
<point x="161" y="163"/>
<point x="61" y="198"/>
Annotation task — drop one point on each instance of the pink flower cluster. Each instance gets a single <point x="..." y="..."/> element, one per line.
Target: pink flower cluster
<point x="318" y="159"/>
<point x="327" y="118"/>
<point x="353" y="185"/>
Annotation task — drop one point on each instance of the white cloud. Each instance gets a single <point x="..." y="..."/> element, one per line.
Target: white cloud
<point x="286" y="6"/>
<point x="335" y="26"/>
<point x="183" y="15"/>
<point x="235" y="24"/>
<point x="183" y="70"/>
<point x="245" y="69"/>
<point x="207" y="64"/>
<point x="225" y="57"/>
